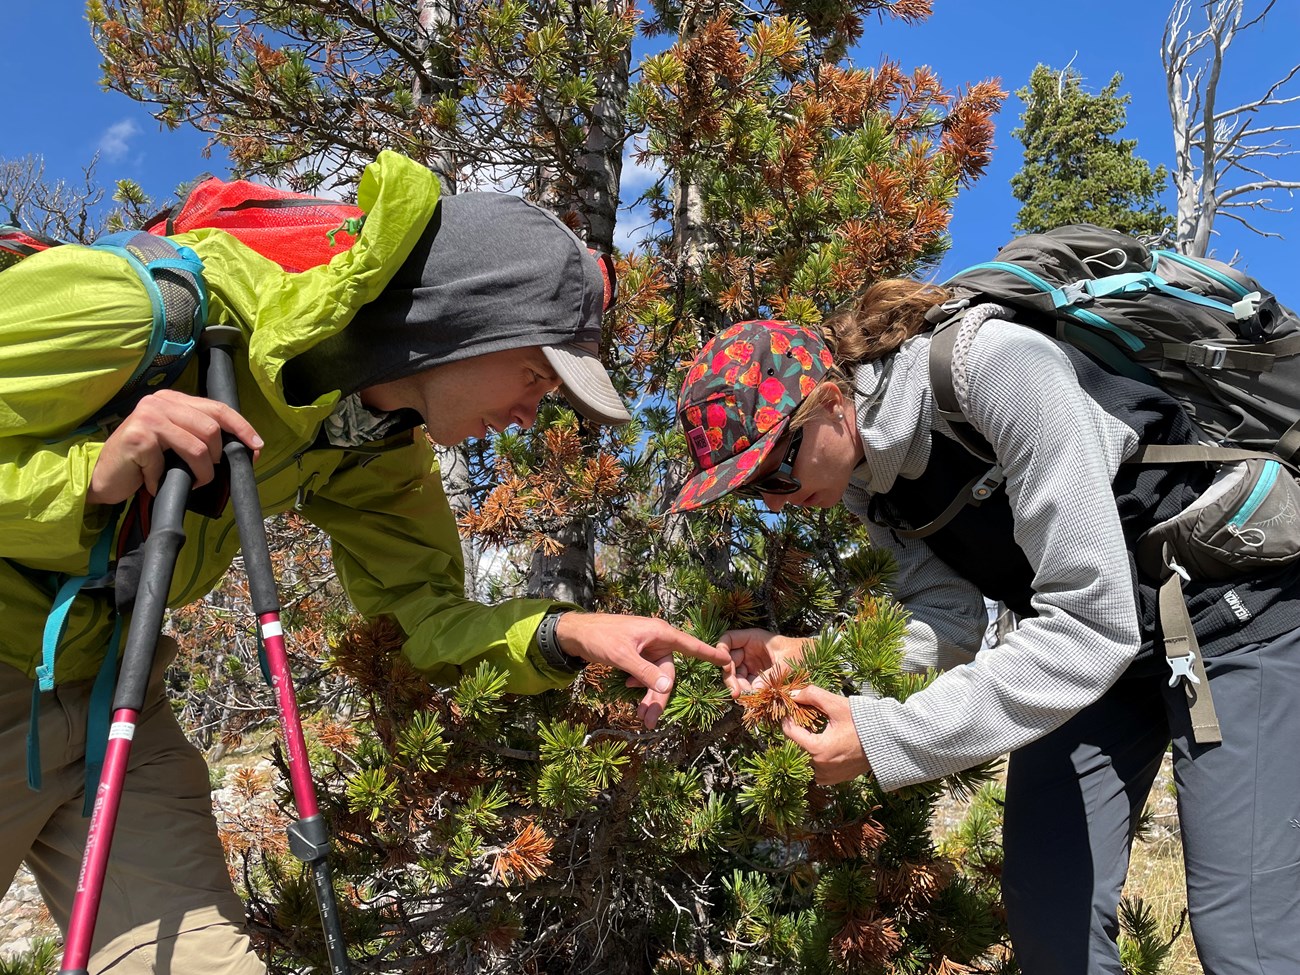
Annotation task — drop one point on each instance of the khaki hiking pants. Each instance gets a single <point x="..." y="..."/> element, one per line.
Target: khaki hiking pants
<point x="168" y="905"/>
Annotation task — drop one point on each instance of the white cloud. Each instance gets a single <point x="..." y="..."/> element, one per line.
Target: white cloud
<point x="114" y="144"/>
<point x="638" y="178"/>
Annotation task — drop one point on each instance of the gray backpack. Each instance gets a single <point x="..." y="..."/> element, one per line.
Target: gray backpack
<point x="1207" y="335"/>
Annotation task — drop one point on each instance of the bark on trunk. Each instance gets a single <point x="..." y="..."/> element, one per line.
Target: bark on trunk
<point x="571" y="574"/>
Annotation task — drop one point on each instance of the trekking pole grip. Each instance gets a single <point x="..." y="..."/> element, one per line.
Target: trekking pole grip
<point x="219" y="343"/>
<point x="159" y="559"/>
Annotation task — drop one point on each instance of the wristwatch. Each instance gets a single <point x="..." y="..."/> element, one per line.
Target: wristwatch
<point x="549" y="645"/>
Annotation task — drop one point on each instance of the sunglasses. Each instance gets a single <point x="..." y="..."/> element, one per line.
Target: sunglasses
<point x="781" y="480"/>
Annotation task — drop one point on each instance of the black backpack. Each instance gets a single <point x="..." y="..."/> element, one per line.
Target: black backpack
<point x="1207" y="334"/>
<point x="1203" y="332"/>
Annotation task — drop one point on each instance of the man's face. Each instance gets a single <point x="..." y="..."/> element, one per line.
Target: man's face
<point x="466" y="399"/>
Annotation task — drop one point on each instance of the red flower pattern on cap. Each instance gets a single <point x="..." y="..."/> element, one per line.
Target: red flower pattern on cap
<point x="738" y="394"/>
<point x="766" y="418"/>
<point x="771" y="389"/>
<point x="742" y="352"/>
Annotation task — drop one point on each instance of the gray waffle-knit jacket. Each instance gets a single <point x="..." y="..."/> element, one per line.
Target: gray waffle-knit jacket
<point x="1060" y="450"/>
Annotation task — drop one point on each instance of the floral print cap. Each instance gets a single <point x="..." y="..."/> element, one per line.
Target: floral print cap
<point x="737" y="399"/>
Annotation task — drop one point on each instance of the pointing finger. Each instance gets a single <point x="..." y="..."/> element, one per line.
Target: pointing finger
<point x="686" y="644"/>
<point x="817" y="697"/>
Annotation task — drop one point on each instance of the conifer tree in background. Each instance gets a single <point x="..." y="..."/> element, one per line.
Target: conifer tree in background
<point x="479" y="832"/>
<point x="1076" y="170"/>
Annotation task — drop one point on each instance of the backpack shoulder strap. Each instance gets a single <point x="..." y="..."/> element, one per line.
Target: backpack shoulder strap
<point x="943" y="342"/>
<point x="173" y="278"/>
<point x="1204" y="453"/>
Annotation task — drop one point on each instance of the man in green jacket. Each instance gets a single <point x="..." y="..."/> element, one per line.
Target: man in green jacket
<point x="455" y="316"/>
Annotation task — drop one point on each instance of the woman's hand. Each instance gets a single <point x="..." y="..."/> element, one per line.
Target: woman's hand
<point x="757" y="656"/>
<point x="189" y="426"/>
<point x="836" y="751"/>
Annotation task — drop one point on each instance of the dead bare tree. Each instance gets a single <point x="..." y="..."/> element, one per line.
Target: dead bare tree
<point x="59" y="208"/>
<point x="1221" y="153"/>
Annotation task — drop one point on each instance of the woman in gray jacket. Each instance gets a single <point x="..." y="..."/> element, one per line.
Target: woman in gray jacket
<point x="1076" y="694"/>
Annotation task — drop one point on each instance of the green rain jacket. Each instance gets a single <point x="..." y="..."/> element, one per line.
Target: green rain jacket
<point x="75" y="322"/>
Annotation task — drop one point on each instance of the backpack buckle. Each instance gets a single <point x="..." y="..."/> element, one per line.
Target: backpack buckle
<point x="1181" y="667"/>
<point x="1248" y="307"/>
<point x="1077" y="293"/>
<point x="987" y="484"/>
<point x="941" y="314"/>
<point x="1207" y="356"/>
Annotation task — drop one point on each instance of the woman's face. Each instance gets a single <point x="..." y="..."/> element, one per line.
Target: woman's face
<point x="830" y="451"/>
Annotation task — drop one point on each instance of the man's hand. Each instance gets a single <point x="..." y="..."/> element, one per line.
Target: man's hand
<point x="757" y="655"/>
<point x="836" y="751"/>
<point x="639" y="646"/>
<point x="189" y="426"/>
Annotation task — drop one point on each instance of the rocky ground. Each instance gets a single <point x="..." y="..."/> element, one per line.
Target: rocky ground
<point x="23" y="917"/>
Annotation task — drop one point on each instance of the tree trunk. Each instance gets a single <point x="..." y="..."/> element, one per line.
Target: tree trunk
<point x="571" y="574"/>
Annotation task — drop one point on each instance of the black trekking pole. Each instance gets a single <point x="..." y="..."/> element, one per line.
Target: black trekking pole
<point x="308" y="839"/>
<point x="159" y="561"/>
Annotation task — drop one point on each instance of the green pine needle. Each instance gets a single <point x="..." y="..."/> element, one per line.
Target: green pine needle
<point x="1142" y="948"/>
<point x="778" y="792"/>
<point x="478" y="695"/>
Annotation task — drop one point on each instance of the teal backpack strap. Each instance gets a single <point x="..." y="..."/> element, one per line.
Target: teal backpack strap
<point x="173" y="278"/>
<point x="55" y="624"/>
<point x="1144" y="281"/>
<point x="100" y="717"/>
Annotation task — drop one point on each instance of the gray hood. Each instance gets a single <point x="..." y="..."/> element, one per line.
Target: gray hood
<point x="491" y="272"/>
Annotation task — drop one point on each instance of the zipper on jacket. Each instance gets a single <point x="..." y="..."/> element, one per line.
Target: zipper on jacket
<point x="304" y="488"/>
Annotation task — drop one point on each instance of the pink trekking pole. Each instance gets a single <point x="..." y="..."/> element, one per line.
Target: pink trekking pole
<point x="308" y="839"/>
<point x="159" y="560"/>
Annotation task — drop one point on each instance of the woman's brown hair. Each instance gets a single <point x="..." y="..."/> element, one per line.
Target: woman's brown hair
<point x="881" y="319"/>
<point x="872" y="326"/>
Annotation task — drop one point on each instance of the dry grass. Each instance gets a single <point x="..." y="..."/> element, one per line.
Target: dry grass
<point x="1156" y="875"/>
<point x="1155" y="869"/>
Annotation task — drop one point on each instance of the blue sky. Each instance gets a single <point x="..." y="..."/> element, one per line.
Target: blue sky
<point x="52" y="103"/>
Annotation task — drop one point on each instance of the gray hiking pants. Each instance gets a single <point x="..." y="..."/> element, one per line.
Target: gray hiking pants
<point x="1074" y="798"/>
